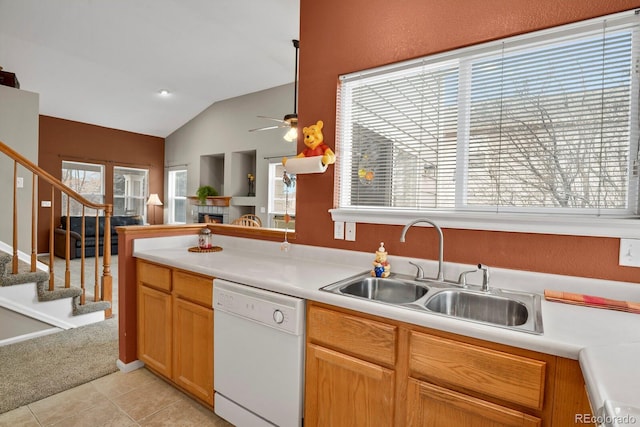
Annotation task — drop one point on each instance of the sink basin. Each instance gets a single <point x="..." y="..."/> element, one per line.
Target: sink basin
<point x="387" y="290"/>
<point x="512" y="310"/>
<point x="475" y="306"/>
<point x="392" y="290"/>
<point x="506" y="309"/>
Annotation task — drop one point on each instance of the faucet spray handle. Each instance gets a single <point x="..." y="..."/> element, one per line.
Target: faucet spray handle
<point x="485" y="277"/>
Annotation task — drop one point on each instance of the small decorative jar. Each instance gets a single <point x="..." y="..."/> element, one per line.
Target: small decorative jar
<point x="204" y="239"/>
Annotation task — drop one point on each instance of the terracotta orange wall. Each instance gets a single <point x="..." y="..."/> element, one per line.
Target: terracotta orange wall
<point x="68" y="140"/>
<point x="342" y="36"/>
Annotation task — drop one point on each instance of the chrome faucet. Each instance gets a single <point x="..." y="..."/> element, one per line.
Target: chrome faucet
<point x="485" y="277"/>
<point x="440" y="246"/>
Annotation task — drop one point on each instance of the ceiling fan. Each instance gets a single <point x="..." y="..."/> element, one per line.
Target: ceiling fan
<point x="290" y="120"/>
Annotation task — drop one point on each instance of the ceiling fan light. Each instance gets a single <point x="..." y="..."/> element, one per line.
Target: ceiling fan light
<point x="291" y="135"/>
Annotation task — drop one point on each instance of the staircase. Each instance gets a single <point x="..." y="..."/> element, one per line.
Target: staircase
<point x="30" y="287"/>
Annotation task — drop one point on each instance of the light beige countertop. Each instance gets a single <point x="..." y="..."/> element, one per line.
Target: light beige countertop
<point x="606" y="342"/>
<point x="303" y="270"/>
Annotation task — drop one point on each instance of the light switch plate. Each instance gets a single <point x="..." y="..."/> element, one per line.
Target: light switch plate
<point x="350" y="231"/>
<point x="19" y="182"/>
<point x="630" y="252"/>
<point x="338" y="230"/>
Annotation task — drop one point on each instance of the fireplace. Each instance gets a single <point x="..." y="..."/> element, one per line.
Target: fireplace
<point x="218" y="218"/>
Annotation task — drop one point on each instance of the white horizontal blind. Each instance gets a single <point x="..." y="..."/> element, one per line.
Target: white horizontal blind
<point x="402" y="139"/>
<point x="540" y="123"/>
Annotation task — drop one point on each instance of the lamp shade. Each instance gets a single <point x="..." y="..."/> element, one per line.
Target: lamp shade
<point x="154" y="200"/>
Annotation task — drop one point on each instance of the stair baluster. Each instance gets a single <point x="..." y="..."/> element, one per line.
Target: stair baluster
<point x="102" y="282"/>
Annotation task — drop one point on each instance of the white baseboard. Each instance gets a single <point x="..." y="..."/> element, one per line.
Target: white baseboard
<point x="29" y="336"/>
<point x="128" y="367"/>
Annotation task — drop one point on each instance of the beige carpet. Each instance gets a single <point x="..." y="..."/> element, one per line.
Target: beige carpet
<point x="34" y="369"/>
<point x="59" y="269"/>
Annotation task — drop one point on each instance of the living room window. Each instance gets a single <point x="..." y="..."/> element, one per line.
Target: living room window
<point x="539" y="124"/>
<point x="282" y="197"/>
<point x="130" y="188"/>
<point x="177" y="196"/>
<point x="86" y="179"/>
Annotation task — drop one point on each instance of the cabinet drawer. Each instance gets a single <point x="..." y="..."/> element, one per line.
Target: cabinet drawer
<point x="154" y="276"/>
<point x="436" y="406"/>
<point x="368" y="339"/>
<point x="198" y="289"/>
<point x="493" y="373"/>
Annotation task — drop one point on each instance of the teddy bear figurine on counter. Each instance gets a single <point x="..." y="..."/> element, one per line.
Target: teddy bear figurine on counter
<point x="381" y="267"/>
<point x="314" y="140"/>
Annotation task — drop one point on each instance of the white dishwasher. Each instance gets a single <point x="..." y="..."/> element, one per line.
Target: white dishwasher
<point x="258" y="356"/>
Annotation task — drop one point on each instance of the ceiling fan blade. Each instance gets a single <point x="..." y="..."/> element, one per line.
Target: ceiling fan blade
<point x="268" y="128"/>
<point x="272" y="118"/>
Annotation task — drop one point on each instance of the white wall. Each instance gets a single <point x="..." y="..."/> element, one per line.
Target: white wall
<point x="223" y="128"/>
<point x="19" y="124"/>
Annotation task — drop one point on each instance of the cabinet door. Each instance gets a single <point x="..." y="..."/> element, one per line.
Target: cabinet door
<point x="432" y="406"/>
<point x="154" y="329"/>
<point x="193" y="348"/>
<point x="344" y="390"/>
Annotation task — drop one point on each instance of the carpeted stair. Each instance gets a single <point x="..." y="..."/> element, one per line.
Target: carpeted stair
<point x="41" y="278"/>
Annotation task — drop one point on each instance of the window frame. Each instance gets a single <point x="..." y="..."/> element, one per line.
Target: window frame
<point x="90" y="166"/>
<point x="142" y="198"/>
<point x="551" y="221"/>
<point x="171" y="197"/>
<point x="274" y="181"/>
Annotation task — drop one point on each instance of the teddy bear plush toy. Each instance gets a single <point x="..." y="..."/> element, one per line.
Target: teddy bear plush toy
<point x="314" y="140"/>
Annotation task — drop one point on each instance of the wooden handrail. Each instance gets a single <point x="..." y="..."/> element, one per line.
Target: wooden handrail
<point x="103" y="283"/>
<point x="41" y="173"/>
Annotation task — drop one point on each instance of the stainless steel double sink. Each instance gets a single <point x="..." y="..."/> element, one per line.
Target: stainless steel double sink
<point x="513" y="310"/>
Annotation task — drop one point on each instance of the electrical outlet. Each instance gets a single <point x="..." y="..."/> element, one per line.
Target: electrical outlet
<point x="630" y="252"/>
<point x="263" y="209"/>
<point x="338" y="230"/>
<point x="19" y="182"/>
<point x="350" y="231"/>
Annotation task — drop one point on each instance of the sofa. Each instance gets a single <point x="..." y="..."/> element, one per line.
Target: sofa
<point x="75" y="235"/>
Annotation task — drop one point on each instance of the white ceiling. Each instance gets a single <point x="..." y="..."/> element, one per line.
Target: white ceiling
<point x="104" y="61"/>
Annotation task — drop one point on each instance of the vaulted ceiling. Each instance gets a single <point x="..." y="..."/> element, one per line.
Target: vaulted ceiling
<point x="104" y="62"/>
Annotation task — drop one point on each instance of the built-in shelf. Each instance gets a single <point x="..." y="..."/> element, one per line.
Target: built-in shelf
<point x="243" y="163"/>
<point x="211" y="200"/>
<point x="244" y="201"/>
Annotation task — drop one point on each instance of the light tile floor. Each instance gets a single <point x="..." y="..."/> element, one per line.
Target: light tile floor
<point x="137" y="398"/>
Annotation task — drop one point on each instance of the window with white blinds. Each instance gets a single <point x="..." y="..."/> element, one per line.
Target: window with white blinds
<point x="545" y="122"/>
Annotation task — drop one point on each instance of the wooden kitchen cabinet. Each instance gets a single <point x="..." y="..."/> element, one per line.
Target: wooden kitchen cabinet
<point x="468" y="376"/>
<point x="155" y="318"/>
<point x="342" y="388"/>
<point x="345" y="390"/>
<point x="175" y="327"/>
<point x="433" y="406"/>
<point x="193" y="335"/>
<point x="366" y="370"/>
<point x="497" y="374"/>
